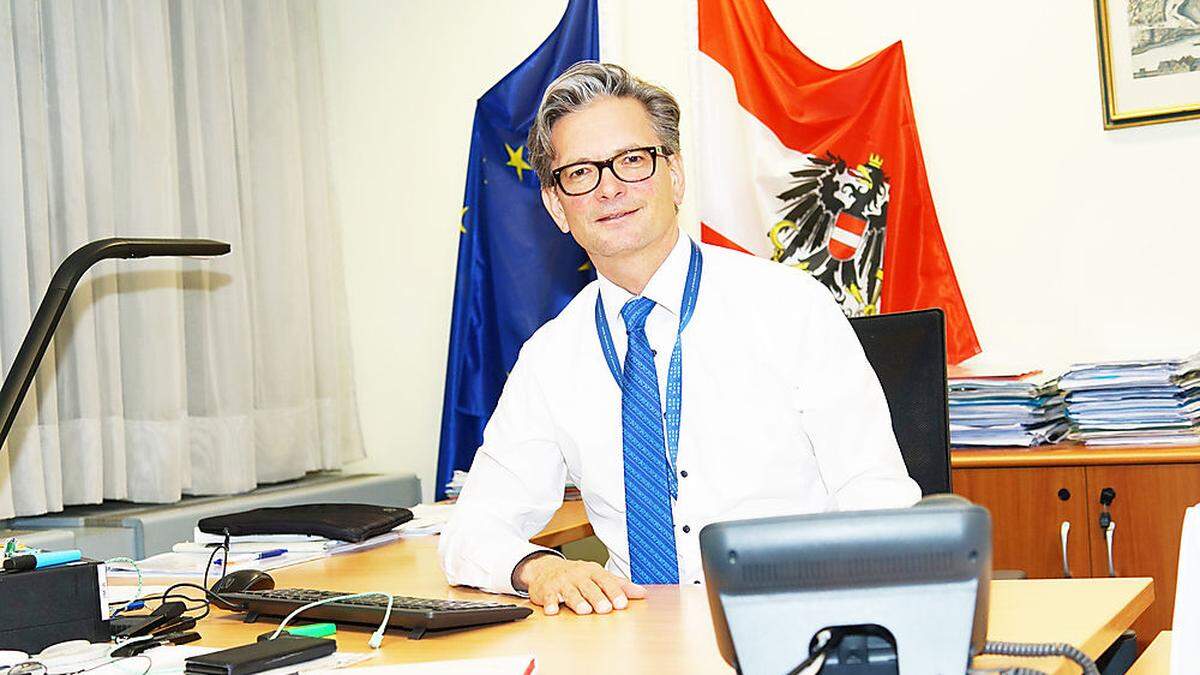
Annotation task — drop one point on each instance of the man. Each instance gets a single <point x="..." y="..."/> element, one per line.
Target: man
<point x="688" y="384"/>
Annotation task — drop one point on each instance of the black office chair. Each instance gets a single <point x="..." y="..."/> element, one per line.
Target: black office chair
<point x="908" y="352"/>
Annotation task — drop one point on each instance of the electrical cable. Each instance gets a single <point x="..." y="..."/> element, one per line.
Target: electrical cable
<point x="205" y="605"/>
<point x="208" y="594"/>
<point x="376" y="637"/>
<point x="1019" y="670"/>
<point x="149" y="664"/>
<point x="833" y="637"/>
<point x="36" y="667"/>
<point x="138" y="593"/>
<point x="206" y="602"/>
<point x="1042" y="650"/>
<point x="211" y="556"/>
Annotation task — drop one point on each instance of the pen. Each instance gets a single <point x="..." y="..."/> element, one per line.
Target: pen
<point x="259" y="556"/>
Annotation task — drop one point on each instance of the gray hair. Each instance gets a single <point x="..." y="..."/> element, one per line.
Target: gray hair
<point x="578" y="87"/>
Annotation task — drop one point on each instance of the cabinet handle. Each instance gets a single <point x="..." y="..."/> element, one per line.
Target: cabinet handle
<point x="1108" y="540"/>
<point x="1066" y="528"/>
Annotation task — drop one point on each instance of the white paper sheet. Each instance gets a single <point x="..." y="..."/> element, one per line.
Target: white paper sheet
<point x="501" y="665"/>
<point x="1185" y="650"/>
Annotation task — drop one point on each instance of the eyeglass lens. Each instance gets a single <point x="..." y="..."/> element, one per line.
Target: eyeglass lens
<point x="630" y="167"/>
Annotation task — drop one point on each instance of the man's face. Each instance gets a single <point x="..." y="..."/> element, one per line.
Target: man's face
<point x="617" y="218"/>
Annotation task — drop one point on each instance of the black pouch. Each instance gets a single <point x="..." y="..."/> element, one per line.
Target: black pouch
<point x="260" y="656"/>
<point x="344" y="522"/>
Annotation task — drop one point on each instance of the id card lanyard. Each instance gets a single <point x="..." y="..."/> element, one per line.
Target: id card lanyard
<point x="691" y="290"/>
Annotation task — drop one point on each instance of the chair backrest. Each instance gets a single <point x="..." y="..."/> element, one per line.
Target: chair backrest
<point x="908" y="352"/>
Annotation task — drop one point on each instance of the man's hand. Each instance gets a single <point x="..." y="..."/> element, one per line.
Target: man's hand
<point x="583" y="586"/>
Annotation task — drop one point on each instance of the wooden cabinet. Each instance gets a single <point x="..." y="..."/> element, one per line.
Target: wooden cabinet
<point x="1029" y="507"/>
<point x="1032" y="493"/>
<point x="1147" y="514"/>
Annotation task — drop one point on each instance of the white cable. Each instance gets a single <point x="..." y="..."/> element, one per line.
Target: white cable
<point x="130" y="561"/>
<point x="376" y="637"/>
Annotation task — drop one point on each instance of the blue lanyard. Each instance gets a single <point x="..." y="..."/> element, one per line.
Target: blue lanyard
<point x="691" y="290"/>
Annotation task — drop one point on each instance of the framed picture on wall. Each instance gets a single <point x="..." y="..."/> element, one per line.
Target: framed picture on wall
<point x="1149" y="60"/>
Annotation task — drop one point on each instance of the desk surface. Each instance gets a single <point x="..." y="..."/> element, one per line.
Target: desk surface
<point x="1070" y="454"/>
<point x="569" y="524"/>
<point x="671" y="631"/>
<point x="1156" y="660"/>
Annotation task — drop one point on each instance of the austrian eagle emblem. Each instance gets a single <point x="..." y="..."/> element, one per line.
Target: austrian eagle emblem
<point x="833" y="227"/>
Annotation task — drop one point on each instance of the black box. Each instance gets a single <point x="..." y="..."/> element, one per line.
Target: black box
<point x="42" y="607"/>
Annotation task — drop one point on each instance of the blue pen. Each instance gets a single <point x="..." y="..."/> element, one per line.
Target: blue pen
<point x="259" y="556"/>
<point x="271" y="554"/>
<point x="39" y="560"/>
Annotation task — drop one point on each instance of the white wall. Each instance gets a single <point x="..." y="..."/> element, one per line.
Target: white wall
<point x="1070" y="242"/>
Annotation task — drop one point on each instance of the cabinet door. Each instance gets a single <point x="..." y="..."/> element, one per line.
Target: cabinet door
<point x="1147" y="512"/>
<point x="1029" y="507"/>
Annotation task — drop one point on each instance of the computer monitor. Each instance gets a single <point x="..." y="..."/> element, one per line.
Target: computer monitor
<point x="920" y="574"/>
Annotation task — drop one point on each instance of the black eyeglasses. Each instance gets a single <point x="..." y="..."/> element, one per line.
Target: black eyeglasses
<point x="630" y="166"/>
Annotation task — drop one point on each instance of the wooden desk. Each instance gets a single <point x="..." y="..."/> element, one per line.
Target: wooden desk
<point x="672" y="630"/>
<point x="569" y="524"/>
<point x="1156" y="660"/>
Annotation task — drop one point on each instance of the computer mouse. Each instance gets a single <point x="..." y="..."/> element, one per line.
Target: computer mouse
<point x="237" y="582"/>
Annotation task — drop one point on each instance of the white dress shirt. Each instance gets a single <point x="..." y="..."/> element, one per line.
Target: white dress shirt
<point x="781" y="414"/>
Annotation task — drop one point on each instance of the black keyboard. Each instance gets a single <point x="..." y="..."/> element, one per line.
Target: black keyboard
<point x="416" y="616"/>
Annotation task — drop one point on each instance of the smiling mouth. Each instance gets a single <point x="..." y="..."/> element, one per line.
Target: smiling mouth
<point x="615" y="217"/>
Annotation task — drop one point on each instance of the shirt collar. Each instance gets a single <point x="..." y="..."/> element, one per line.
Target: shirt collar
<point x="665" y="287"/>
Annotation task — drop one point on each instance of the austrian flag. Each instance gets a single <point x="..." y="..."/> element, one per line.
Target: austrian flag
<point x="819" y="169"/>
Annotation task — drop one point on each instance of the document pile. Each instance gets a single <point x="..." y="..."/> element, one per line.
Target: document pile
<point x="1155" y="402"/>
<point x="1006" y="410"/>
<point x="272" y="551"/>
<point x="455" y="486"/>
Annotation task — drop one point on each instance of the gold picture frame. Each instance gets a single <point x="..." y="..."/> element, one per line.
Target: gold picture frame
<point x="1134" y="34"/>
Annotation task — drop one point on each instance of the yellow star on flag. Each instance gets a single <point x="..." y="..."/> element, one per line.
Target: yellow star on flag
<point x="462" y="228"/>
<point x="516" y="159"/>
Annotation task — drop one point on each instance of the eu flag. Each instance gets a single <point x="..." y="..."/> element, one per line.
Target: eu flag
<point x="516" y="270"/>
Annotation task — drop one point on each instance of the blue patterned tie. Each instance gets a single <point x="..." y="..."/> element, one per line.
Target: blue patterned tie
<point x="648" y="519"/>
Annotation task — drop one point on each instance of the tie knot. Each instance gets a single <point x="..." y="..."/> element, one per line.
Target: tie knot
<point x="635" y="312"/>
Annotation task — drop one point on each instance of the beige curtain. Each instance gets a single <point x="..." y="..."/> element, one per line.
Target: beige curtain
<point x="167" y="376"/>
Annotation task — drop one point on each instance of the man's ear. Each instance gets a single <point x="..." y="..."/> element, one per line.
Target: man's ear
<point x="555" y="208"/>
<point x="675" y="167"/>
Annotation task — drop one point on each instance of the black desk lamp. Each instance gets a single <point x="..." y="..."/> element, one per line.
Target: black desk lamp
<point x="17" y="382"/>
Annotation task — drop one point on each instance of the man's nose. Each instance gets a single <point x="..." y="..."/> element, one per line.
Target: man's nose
<point x="610" y="186"/>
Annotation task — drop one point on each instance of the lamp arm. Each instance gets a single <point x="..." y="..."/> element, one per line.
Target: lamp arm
<point x="54" y="303"/>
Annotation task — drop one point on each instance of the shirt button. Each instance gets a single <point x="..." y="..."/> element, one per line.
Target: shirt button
<point x="697" y="582"/>
<point x="686" y="529"/>
<point x="653" y="352"/>
<point x="683" y="474"/>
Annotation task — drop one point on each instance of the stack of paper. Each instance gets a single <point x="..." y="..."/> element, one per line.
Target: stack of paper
<point x="1154" y="402"/>
<point x="455" y="485"/>
<point x="427" y="519"/>
<point x="175" y="564"/>
<point x="1006" y="410"/>
<point x="263" y="552"/>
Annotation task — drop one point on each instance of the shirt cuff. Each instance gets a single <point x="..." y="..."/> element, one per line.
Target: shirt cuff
<point x="530" y="551"/>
